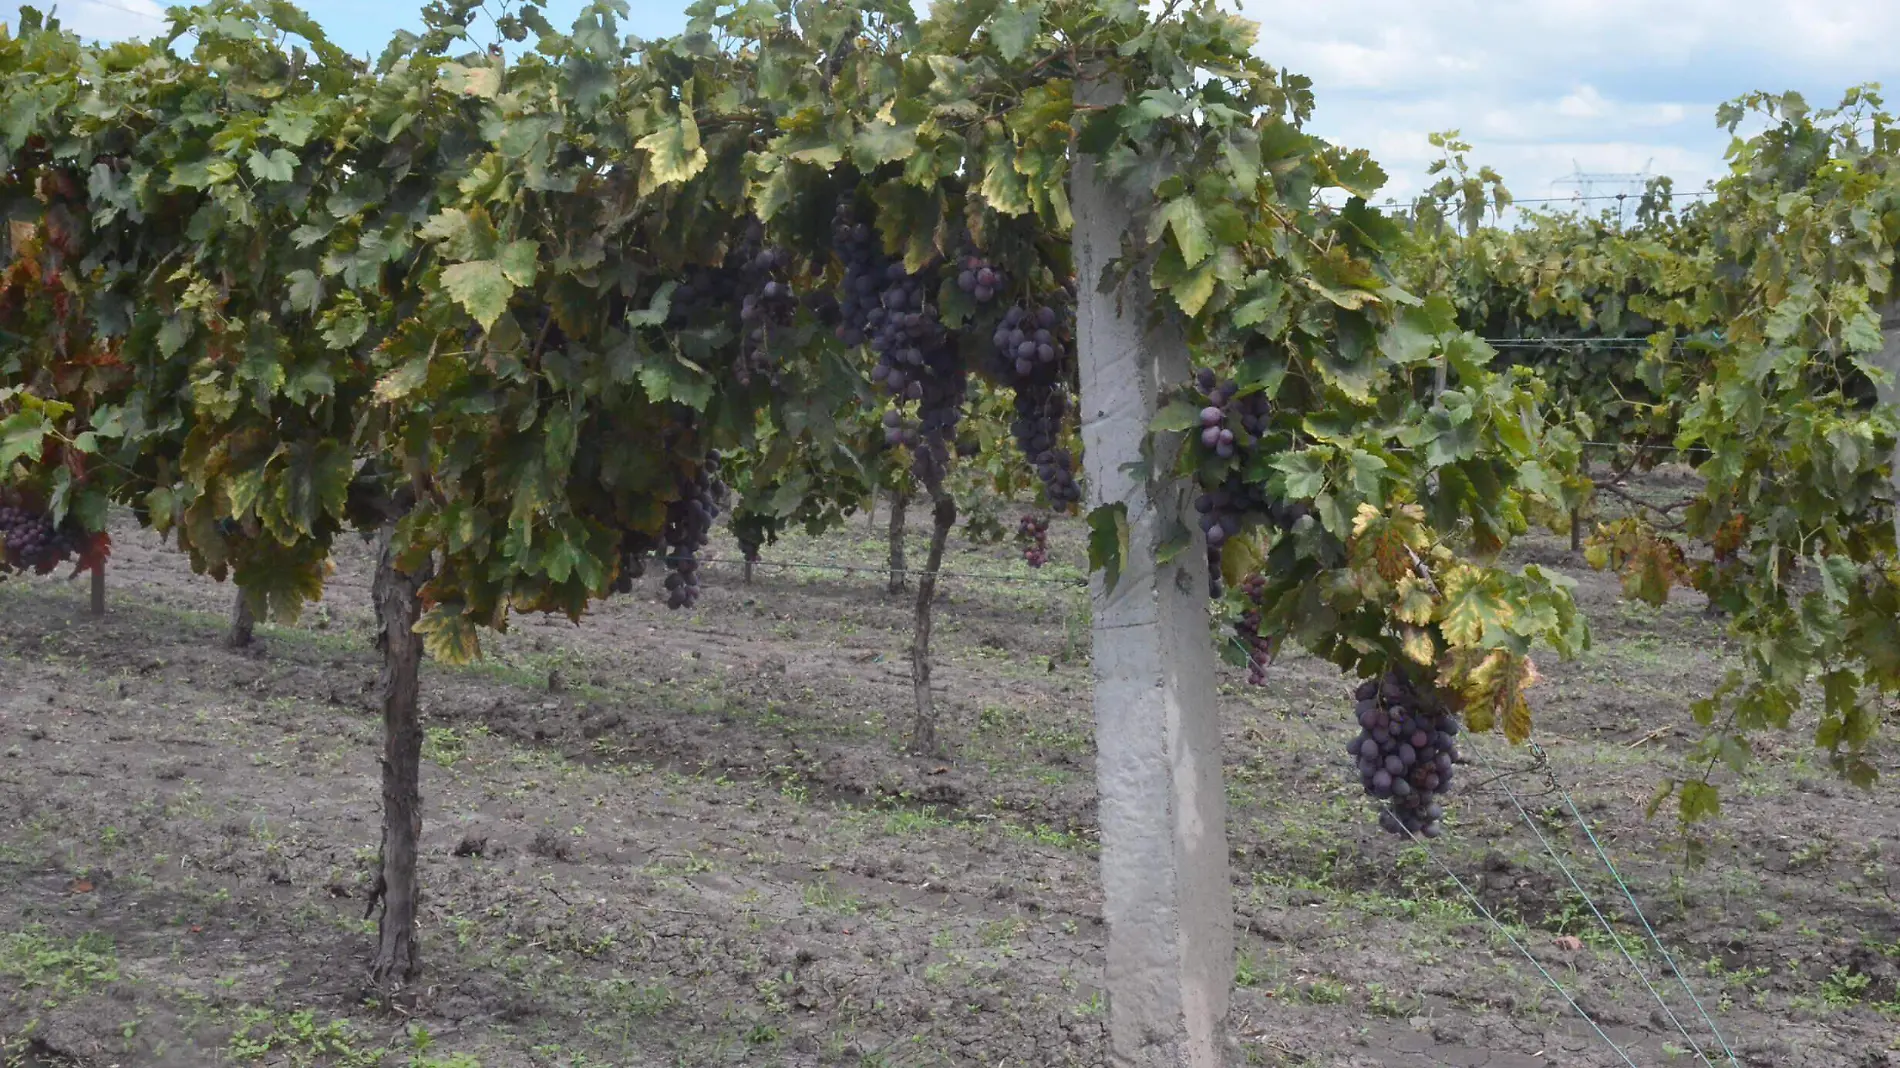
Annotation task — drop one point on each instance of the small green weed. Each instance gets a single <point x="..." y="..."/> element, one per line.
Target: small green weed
<point x="38" y="962"/>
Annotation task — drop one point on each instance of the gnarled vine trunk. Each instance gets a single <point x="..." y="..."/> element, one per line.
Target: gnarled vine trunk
<point x="924" y="728"/>
<point x="900" y="576"/>
<point x="398" y="607"/>
<point x="98" y="605"/>
<point x="243" y="624"/>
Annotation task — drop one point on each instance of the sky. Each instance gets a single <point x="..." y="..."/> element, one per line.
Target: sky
<point x="1543" y="89"/>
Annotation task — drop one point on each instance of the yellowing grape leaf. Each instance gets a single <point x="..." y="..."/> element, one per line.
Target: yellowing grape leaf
<point x="1494" y="693"/>
<point x="1419" y="646"/>
<point x="448" y="635"/>
<point x="1471" y="607"/>
<point x="1002" y="186"/>
<point x="673" y="153"/>
<point x="1415" y="603"/>
<point x="1384" y="541"/>
<point x="1239" y="557"/>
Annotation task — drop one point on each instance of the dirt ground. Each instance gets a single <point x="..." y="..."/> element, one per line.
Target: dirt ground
<point x="692" y="839"/>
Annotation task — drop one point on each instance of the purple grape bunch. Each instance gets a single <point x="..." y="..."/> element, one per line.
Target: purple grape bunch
<point x="1405" y="750"/>
<point x="1230" y="427"/>
<point x="689" y="524"/>
<point x="978" y="277"/>
<point x="1032" y="349"/>
<point x="1260" y="649"/>
<point x="1032" y="533"/>
<point x="885" y="305"/>
<point x="755" y="278"/>
<point x="635" y="548"/>
<point x="767" y="309"/>
<point x="31" y="541"/>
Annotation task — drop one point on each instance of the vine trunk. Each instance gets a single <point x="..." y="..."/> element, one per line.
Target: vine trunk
<point x="398" y="607"/>
<point x="924" y="728"/>
<point x="900" y="577"/>
<point x="243" y="624"/>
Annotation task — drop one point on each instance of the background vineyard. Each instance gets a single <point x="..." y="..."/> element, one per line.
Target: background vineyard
<point x="496" y="343"/>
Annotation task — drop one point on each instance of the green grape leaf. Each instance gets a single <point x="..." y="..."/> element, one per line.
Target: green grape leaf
<point x="278" y="166"/>
<point x="1182" y="217"/>
<point x="1014" y="27"/>
<point x="22" y="437"/>
<point x="518" y="260"/>
<point x="1108" y="541"/>
<point x="1177" y="416"/>
<point x="306" y="290"/>
<point x="1239" y="557"/>
<point x="482" y="287"/>
<point x="1699" y="801"/>
<point x="879" y="142"/>
<point x="1178" y="540"/>
<point x="656" y="311"/>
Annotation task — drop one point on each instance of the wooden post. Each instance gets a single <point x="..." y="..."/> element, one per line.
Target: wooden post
<point x="1167" y="900"/>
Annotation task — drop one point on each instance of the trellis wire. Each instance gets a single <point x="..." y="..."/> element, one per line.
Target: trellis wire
<point x="1538" y="751"/>
<point x="883" y="569"/>
<point x="1509" y="937"/>
<point x="1551" y="851"/>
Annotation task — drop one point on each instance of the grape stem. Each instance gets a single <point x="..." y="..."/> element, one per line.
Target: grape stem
<point x="1424" y="572"/>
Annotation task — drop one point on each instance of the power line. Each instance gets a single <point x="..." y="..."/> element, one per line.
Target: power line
<point x="1555" y="342"/>
<point x="1614" y="196"/>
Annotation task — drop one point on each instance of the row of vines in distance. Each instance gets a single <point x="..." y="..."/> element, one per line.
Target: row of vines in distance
<point x="518" y="317"/>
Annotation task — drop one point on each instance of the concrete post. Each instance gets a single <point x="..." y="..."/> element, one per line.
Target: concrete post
<point x="1890" y="394"/>
<point x="1168" y="901"/>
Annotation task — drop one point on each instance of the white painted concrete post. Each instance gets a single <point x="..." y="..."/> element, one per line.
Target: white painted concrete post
<point x="1168" y="901"/>
<point x="1890" y="393"/>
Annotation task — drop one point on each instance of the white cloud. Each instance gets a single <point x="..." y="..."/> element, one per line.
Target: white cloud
<point x="99" y="19"/>
<point x="1585" y="103"/>
<point x="1544" y="87"/>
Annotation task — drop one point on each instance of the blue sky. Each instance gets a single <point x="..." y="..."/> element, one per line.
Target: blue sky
<point x="1540" y="87"/>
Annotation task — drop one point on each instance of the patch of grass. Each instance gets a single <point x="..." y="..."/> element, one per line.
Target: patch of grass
<point x="827" y="897"/>
<point x="1324" y="992"/>
<point x="299" y="1038"/>
<point x="999" y="933"/>
<point x="35" y="961"/>
<point x="443" y="746"/>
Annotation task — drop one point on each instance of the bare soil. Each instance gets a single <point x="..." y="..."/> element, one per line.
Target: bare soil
<point x="694" y="839"/>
